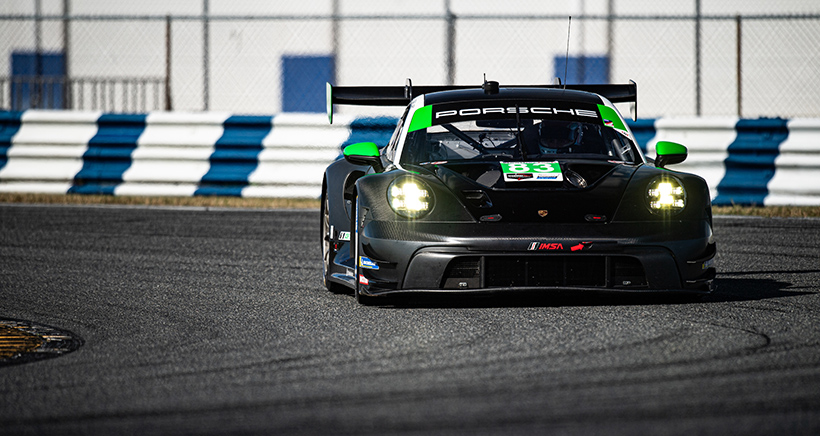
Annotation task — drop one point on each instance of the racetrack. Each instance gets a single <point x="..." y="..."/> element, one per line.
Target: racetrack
<point x="215" y="322"/>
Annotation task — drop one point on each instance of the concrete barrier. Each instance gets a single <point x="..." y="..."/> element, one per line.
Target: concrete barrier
<point x="175" y="154"/>
<point x="763" y="161"/>
<point x="766" y="161"/>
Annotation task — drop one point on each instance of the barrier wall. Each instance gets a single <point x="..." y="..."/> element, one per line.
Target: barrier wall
<point x="175" y="154"/>
<point x="763" y="161"/>
<point x="766" y="161"/>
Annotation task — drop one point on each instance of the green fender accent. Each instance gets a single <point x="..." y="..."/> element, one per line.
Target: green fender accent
<point x="669" y="153"/>
<point x="665" y="148"/>
<point x="329" y="96"/>
<point x="422" y="118"/>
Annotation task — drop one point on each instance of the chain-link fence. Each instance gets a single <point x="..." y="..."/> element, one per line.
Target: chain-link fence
<point x="263" y="62"/>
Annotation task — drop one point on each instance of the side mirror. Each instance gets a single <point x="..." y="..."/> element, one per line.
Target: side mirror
<point x="364" y="153"/>
<point x="669" y="153"/>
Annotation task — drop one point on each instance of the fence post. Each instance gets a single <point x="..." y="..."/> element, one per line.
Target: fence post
<point x="697" y="57"/>
<point x="67" y="97"/>
<point x="334" y="35"/>
<point x="609" y="38"/>
<point x="451" y="41"/>
<point x="739" y="58"/>
<point x="205" y="67"/>
<point x="168" y="106"/>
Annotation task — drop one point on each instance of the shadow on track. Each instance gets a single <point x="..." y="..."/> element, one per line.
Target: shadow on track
<point x="744" y="286"/>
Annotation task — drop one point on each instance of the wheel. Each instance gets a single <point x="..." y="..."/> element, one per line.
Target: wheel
<point x="326" y="248"/>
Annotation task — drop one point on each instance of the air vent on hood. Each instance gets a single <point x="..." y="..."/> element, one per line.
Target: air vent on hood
<point x="477" y="198"/>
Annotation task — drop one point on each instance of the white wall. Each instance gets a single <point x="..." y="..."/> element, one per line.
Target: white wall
<point x="779" y="66"/>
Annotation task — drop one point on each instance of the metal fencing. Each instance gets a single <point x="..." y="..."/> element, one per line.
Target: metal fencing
<point x="685" y="64"/>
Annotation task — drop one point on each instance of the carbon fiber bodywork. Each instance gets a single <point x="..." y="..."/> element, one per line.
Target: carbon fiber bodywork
<point x="499" y="236"/>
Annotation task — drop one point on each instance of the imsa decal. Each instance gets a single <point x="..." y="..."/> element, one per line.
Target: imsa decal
<point x="555" y="246"/>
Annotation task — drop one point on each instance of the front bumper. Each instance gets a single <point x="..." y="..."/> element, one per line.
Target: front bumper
<point x="495" y="257"/>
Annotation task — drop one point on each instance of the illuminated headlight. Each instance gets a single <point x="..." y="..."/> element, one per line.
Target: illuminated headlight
<point x="666" y="194"/>
<point x="410" y="197"/>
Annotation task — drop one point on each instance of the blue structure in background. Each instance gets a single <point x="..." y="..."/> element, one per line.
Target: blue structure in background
<point x="376" y="129"/>
<point x="582" y="69"/>
<point x="750" y="164"/>
<point x="109" y="154"/>
<point x="303" y="82"/>
<point x="9" y="126"/>
<point x="37" y="80"/>
<point x="644" y="130"/>
<point x="236" y="155"/>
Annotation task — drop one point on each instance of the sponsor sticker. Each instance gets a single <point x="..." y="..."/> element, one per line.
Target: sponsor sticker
<point x="532" y="171"/>
<point x="612" y="120"/>
<point x="363" y="280"/>
<point x="518" y="176"/>
<point x="708" y="264"/>
<point x="365" y="262"/>
<point x="555" y="246"/>
<point x="344" y="236"/>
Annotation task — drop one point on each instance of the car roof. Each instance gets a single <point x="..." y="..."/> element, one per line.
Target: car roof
<point x="565" y="95"/>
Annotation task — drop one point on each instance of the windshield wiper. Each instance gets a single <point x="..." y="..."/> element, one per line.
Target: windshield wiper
<point x="521" y="145"/>
<point x="464" y="137"/>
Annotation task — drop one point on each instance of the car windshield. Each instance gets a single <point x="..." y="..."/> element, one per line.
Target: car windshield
<point x="514" y="139"/>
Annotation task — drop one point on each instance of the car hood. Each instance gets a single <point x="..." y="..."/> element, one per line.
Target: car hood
<point x="590" y="192"/>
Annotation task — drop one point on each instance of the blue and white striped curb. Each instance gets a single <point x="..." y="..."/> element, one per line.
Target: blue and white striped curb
<point x="766" y="161"/>
<point x="180" y="154"/>
<point x="763" y="161"/>
<point x="9" y="125"/>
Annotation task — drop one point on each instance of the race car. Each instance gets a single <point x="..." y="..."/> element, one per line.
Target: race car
<point x="490" y="189"/>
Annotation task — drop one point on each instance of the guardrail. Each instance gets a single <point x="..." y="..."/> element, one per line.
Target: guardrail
<point x="121" y="94"/>
<point x="763" y="161"/>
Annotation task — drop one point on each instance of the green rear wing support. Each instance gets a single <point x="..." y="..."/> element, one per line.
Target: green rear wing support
<point x="402" y="95"/>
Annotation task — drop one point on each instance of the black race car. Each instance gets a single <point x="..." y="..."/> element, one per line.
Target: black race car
<point x="495" y="189"/>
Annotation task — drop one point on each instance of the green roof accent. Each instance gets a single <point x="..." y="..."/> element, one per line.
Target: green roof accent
<point x="422" y="118"/>
<point x="609" y="114"/>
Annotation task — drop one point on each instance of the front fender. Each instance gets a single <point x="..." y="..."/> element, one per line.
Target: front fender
<point x="372" y="191"/>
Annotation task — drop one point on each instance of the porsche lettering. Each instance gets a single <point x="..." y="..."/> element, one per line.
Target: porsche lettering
<point x="468" y="112"/>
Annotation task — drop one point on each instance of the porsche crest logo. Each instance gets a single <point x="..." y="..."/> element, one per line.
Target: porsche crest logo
<point x="543" y="212"/>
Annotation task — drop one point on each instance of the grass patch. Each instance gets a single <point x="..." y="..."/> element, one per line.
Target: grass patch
<point x="311" y="203"/>
<point x="236" y="202"/>
<point x="769" y="211"/>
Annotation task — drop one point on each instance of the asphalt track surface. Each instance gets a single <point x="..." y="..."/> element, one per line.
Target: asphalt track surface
<point x="215" y="322"/>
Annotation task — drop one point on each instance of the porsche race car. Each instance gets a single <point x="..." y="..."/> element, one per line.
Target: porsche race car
<point x="495" y="188"/>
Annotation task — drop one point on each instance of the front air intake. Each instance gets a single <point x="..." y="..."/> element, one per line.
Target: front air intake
<point x="553" y="271"/>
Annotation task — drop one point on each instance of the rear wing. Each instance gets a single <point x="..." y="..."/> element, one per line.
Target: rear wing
<point x="402" y="95"/>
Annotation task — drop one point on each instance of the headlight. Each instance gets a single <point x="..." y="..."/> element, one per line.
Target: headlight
<point x="410" y="197"/>
<point x="666" y="195"/>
